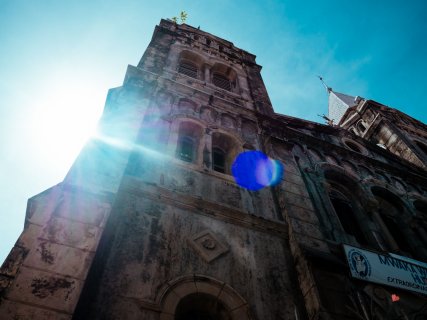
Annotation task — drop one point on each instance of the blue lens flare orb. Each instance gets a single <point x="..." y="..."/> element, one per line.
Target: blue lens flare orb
<point x="253" y="170"/>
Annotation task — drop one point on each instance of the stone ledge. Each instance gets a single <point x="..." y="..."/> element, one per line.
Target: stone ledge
<point x="198" y="205"/>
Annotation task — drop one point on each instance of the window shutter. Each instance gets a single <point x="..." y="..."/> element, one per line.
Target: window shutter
<point x="221" y="81"/>
<point x="218" y="160"/>
<point x="188" y="69"/>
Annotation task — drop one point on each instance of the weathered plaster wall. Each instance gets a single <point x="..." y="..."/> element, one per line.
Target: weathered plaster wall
<point x="44" y="274"/>
<point x="133" y="229"/>
<point x="154" y="244"/>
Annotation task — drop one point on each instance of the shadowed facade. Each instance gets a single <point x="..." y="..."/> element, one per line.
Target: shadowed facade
<point x="149" y="223"/>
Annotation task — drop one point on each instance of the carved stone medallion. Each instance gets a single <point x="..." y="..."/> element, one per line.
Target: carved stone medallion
<point x="207" y="245"/>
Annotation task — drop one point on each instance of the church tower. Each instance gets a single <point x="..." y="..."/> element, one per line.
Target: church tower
<point x="389" y="128"/>
<point x="149" y="222"/>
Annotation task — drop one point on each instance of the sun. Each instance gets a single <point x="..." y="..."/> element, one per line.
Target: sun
<point x="63" y="117"/>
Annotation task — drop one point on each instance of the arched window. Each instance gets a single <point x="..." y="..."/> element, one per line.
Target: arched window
<point x="190" y="64"/>
<point x="224" y="150"/>
<point x="422" y="146"/>
<point x="218" y="159"/>
<point x="390" y="210"/>
<point x="189" y="135"/>
<point x="421" y="215"/>
<point x="344" y="210"/>
<point x="188" y="68"/>
<point x="361" y="127"/>
<point x="224" y="77"/>
<point x="186" y="148"/>
<point x="346" y="205"/>
<point x="221" y="81"/>
<point x="421" y="208"/>
<point x="353" y="146"/>
<point x="201" y="306"/>
<point x="395" y="231"/>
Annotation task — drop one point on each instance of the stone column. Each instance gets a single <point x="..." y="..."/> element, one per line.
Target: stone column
<point x="173" y="138"/>
<point x="207" y="73"/>
<point x="207" y="149"/>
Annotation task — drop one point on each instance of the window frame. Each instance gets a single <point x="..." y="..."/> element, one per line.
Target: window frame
<point x="186" y="142"/>
<point x="188" y="68"/>
<point x="221" y="153"/>
<point x="221" y="81"/>
<point x="353" y="227"/>
<point x="188" y="139"/>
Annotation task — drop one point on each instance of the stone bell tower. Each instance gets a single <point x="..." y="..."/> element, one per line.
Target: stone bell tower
<point x="148" y="223"/>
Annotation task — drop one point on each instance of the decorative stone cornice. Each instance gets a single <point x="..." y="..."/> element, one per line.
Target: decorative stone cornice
<point x="204" y="207"/>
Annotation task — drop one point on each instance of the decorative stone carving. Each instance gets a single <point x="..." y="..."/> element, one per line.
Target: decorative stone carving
<point x="208" y="114"/>
<point x="315" y="155"/>
<point x="249" y="131"/>
<point x="228" y="121"/>
<point x="228" y="194"/>
<point x="331" y="159"/>
<point x="365" y="172"/>
<point x="207" y="245"/>
<point x="398" y="184"/>
<point x="185" y="105"/>
<point x="349" y="167"/>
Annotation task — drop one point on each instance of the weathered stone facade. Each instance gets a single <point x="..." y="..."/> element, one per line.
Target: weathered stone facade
<point x="149" y="223"/>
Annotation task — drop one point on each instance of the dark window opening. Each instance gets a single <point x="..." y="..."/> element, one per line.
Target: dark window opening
<point x="224" y="148"/>
<point x="361" y="127"/>
<point x="348" y="220"/>
<point x="422" y="146"/>
<point x="353" y="146"/>
<point x="221" y="81"/>
<point x="421" y="208"/>
<point x="187" y="145"/>
<point x="390" y="209"/>
<point x="188" y="68"/>
<point x="201" y="306"/>
<point x="420" y="227"/>
<point x="218" y="160"/>
<point x="421" y="233"/>
<point x="396" y="233"/>
<point x="185" y="149"/>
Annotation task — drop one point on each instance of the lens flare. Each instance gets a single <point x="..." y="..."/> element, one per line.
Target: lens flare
<point x="253" y="170"/>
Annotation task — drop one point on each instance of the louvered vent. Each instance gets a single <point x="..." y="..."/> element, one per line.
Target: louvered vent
<point x="221" y="81"/>
<point x="188" y="69"/>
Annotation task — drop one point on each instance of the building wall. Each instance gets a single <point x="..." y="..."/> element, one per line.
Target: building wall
<point x="390" y="129"/>
<point x="149" y="223"/>
<point x="332" y="159"/>
<point x="172" y="205"/>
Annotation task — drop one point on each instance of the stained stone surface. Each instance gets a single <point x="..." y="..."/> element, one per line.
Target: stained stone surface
<point x="133" y="230"/>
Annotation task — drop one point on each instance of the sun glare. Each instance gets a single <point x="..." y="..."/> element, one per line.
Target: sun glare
<point x="64" y="117"/>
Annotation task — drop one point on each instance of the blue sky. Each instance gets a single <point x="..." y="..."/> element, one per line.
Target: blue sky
<point x="59" y="58"/>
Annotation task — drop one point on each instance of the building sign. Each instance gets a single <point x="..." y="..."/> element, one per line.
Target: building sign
<point x="389" y="269"/>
